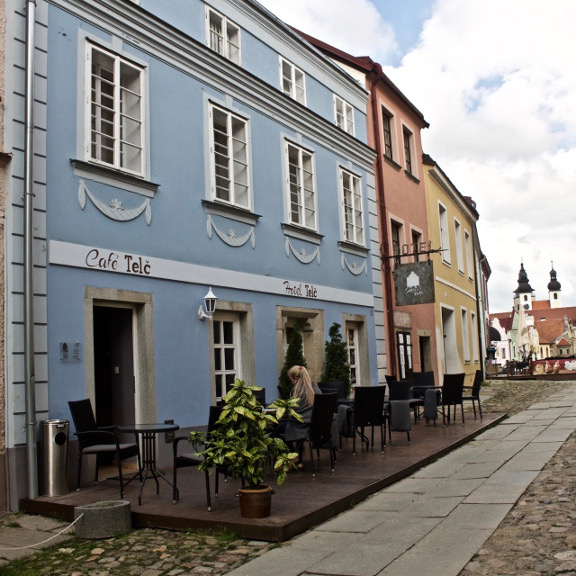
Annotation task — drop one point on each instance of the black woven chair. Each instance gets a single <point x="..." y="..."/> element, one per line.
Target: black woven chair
<point x="185" y="458"/>
<point x="399" y="391"/>
<point x="421" y="381"/>
<point x="97" y="440"/>
<point x="328" y="387"/>
<point x="472" y="393"/>
<point x="369" y="411"/>
<point x="320" y="429"/>
<point x="452" y="395"/>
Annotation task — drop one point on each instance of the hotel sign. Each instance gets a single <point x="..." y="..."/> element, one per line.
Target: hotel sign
<point x="414" y="283"/>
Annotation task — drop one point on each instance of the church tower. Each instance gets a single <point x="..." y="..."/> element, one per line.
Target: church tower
<point x="554" y="290"/>
<point x="524" y="295"/>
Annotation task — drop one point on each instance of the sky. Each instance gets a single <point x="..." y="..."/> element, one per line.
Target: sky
<point x="496" y="80"/>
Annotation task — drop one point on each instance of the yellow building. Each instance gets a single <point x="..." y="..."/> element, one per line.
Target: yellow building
<point x="460" y="323"/>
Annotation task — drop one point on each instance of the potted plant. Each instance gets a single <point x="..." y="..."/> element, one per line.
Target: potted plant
<point x="243" y="441"/>
<point x="336" y="363"/>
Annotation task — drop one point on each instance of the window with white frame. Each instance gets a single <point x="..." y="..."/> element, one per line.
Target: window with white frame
<point x="301" y="187"/>
<point x="387" y="130"/>
<point x="229" y="151"/>
<point x="475" y="347"/>
<point x="223" y="35"/>
<point x="465" y="336"/>
<point x="408" y="150"/>
<point x="396" y="237"/>
<point x="416" y="242"/>
<point x="116" y="111"/>
<point x="351" y="186"/>
<point x="444" y="234"/>
<point x="353" y="352"/>
<point x="292" y="81"/>
<point x="468" y="248"/>
<point x="344" y="114"/>
<point x="459" y="251"/>
<point x="226" y="346"/>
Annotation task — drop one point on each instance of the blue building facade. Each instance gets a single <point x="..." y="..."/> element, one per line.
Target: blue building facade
<point x="180" y="147"/>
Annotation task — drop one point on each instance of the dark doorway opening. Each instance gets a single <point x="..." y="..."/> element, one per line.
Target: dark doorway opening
<point x="114" y="365"/>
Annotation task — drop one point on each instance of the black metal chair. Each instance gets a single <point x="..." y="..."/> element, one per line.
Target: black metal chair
<point x="186" y="459"/>
<point x="369" y="411"/>
<point x="452" y="395"/>
<point x="320" y="428"/>
<point x="472" y="393"/>
<point x="96" y="440"/>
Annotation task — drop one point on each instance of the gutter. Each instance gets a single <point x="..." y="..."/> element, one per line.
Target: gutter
<point x="29" y="352"/>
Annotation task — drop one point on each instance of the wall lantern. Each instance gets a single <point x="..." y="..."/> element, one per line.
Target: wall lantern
<point x="209" y="306"/>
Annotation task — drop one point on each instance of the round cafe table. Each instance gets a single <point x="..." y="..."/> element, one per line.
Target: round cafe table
<point x="147" y="433"/>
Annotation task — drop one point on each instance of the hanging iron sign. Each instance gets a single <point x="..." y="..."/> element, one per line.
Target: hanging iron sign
<point x="414" y="283"/>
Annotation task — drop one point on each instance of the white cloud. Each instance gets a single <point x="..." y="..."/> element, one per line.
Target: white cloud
<point x="354" y="26"/>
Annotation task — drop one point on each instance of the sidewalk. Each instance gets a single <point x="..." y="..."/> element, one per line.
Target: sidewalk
<point x="436" y="520"/>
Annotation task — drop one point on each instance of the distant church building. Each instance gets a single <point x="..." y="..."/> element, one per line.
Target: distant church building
<point x="540" y="331"/>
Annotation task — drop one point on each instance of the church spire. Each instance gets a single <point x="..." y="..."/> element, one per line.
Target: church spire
<point x="524" y="292"/>
<point x="554" y="288"/>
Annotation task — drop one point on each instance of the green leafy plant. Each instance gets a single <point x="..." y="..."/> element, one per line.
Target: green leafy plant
<point x="243" y="438"/>
<point x="294" y="357"/>
<point x="336" y="362"/>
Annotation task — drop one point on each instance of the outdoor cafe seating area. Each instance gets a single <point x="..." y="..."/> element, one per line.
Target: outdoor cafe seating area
<point x="377" y="453"/>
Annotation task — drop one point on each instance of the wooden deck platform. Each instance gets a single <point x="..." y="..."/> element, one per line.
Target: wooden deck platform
<point x="299" y="504"/>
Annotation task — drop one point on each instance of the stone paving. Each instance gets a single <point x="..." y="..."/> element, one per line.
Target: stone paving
<point x="537" y="537"/>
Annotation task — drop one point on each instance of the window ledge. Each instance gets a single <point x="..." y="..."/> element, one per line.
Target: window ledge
<point x="412" y="177"/>
<point x="302" y="233"/>
<point x="354" y="249"/>
<point x="113" y="177"/>
<point x="392" y="163"/>
<point x="230" y="211"/>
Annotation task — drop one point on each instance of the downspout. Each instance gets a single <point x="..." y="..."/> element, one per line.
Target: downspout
<point x="30" y="384"/>
<point x="383" y="219"/>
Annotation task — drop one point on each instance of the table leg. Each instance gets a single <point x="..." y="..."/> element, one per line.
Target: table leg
<point x="149" y="464"/>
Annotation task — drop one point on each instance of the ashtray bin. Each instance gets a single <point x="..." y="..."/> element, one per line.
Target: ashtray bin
<point x="55" y="457"/>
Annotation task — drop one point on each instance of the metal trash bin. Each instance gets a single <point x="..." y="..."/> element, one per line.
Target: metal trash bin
<point x="55" y="457"/>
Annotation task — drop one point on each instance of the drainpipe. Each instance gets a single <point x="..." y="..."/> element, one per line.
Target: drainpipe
<point x="31" y="450"/>
<point x="383" y="219"/>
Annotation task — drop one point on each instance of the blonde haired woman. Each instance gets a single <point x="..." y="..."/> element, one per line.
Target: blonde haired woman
<point x="304" y="390"/>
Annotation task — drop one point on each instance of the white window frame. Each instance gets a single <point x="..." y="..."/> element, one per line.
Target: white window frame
<point x="465" y="335"/>
<point x="222" y="371"/>
<point x="223" y="36"/>
<point x="388" y="114"/>
<point x="475" y="347"/>
<point x="301" y="186"/>
<point x="352" y="207"/>
<point x="459" y="250"/>
<point x="408" y="146"/>
<point x="468" y="248"/>
<point x="353" y="343"/>
<point x="230" y="158"/>
<point x="115" y="122"/>
<point x="444" y="234"/>
<point x="292" y="81"/>
<point x="344" y="114"/>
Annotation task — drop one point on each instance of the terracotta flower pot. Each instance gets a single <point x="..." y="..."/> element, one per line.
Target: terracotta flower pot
<point x="255" y="502"/>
